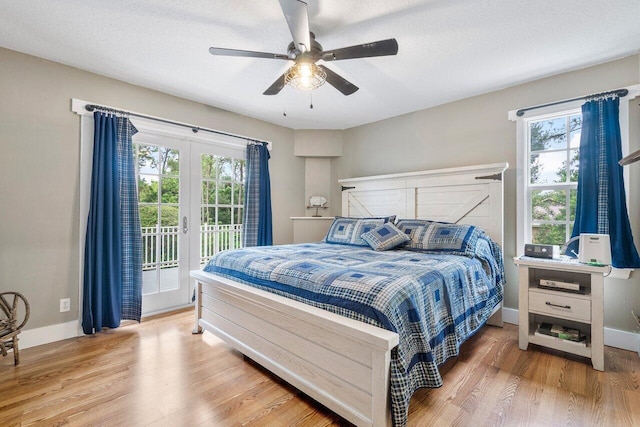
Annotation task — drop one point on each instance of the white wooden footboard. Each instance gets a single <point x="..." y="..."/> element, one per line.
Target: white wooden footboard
<point x="340" y="362"/>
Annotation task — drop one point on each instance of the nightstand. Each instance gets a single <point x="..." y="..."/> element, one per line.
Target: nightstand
<point x="582" y="310"/>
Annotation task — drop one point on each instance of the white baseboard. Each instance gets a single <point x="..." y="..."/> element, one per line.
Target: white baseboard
<point x="612" y="337"/>
<point x="48" y="334"/>
<point x="622" y="339"/>
<point x="62" y="331"/>
<point x="510" y="315"/>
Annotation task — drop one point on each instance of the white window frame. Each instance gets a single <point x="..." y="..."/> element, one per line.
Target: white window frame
<point x="523" y="225"/>
<point x="528" y="188"/>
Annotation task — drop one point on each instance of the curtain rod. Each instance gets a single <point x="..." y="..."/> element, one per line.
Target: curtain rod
<point x="194" y="129"/>
<point x="619" y="92"/>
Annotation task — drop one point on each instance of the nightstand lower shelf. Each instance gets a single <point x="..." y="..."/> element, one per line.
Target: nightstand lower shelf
<point x="562" y="345"/>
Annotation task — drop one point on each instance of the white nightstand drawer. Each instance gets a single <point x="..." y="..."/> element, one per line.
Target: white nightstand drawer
<point x="560" y="305"/>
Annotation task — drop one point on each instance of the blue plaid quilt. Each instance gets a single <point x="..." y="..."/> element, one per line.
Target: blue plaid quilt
<point x="433" y="302"/>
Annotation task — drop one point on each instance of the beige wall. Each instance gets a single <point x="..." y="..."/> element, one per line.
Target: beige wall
<point x="476" y="131"/>
<point x="39" y="171"/>
<point x="39" y="159"/>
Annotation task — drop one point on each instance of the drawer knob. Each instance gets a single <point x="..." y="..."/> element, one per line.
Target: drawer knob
<point x="568" y="307"/>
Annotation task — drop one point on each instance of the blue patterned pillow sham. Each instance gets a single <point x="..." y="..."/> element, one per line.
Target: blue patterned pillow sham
<point x="384" y="237"/>
<point x="439" y="237"/>
<point x="347" y="231"/>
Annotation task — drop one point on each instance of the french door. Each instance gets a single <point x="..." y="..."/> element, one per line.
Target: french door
<point x="163" y="197"/>
<point x="191" y="206"/>
<point x="217" y="175"/>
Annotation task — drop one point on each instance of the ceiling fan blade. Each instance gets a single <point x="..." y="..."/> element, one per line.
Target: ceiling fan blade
<point x="366" y="50"/>
<point x="295" y="12"/>
<point x="245" y="53"/>
<point x="276" y="87"/>
<point x="340" y="83"/>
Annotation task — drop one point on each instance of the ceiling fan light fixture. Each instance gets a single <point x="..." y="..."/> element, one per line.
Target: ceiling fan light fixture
<point x="305" y="76"/>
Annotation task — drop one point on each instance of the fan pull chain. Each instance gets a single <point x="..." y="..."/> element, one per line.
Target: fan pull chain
<point x="311" y="100"/>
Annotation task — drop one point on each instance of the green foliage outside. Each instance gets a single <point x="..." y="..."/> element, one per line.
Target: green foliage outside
<point x="159" y="168"/>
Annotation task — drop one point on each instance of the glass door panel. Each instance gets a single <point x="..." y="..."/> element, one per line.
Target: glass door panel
<point x="163" y="200"/>
<point x="218" y="207"/>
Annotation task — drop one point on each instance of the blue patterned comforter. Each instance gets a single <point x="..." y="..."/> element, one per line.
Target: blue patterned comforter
<point x="434" y="302"/>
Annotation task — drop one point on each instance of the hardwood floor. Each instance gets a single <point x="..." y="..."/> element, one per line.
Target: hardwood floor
<point x="158" y="374"/>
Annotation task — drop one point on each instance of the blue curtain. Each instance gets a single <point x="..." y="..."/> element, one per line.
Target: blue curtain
<point x="601" y="206"/>
<point x="257" y="224"/>
<point x="112" y="226"/>
<point x="130" y="220"/>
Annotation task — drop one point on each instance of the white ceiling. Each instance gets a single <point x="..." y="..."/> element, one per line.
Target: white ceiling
<point x="448" y="49"/>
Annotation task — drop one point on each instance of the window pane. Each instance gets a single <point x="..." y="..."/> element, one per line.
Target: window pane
<point x="224" y="215"/>
<point x="237" y="194"/>
<point x="548" y="168"/>
<point x="238" y="215"/>
<point x="208" y="194"/>
<point x="208" y="216"/>
<point x="148" y="188"/>
<point x="573" y="165"/>
<point x="147" y="158"/>
<point x="548" y="234"/>
<point x="575" y="130"/>
<point x="170" y="190"/>
<point x="208" y="166"/>
<point x="549" y="134"/>
<point x="169" y="216"/>
<point x="238" y="170"/>
<point x="226" y="168"/>
<point x="148" y="216"/>
<point x="548" y="205"/>
<point x="224" y="193"/>
<point x="169" y="161"/>
<point x="573" y="198"/>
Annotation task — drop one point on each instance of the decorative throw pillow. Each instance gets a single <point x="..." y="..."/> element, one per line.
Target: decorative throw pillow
<point x="347" y="231"/>
<point x="438" y="237"/>
<point x="413" y="227"/>
<point x="384" y="237"/>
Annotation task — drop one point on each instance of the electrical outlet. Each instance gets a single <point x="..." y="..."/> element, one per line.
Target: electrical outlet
<point x="65" y="304"/>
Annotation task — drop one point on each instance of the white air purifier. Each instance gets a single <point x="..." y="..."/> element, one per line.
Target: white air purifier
<point x="594" y="248"/>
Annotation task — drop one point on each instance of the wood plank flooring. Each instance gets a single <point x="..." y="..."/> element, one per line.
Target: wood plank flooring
<point x="158" y="374"/>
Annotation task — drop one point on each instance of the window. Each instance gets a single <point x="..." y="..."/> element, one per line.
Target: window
<point x="553" y="145"/>
<point x="221" y="205"/>
<point x="547" y="169"/>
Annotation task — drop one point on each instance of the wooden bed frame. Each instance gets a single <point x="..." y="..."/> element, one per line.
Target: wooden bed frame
<point x="340" y="362"/>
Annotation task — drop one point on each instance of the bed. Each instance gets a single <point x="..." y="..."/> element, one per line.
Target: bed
<point x="344" y="363"/>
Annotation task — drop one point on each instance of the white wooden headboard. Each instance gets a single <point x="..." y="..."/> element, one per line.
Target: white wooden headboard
<point x="466" y="195"/>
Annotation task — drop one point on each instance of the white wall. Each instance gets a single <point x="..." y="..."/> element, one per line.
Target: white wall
<point x="476" y="131"/>
<point x="39" y="172"/>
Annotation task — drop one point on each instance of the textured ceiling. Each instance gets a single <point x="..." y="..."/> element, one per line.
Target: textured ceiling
<point x="448" y="49"/>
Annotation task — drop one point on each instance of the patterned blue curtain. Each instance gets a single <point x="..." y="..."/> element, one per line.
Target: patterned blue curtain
<point x="601" y="206"/>
<point x="113" y="245"/>
<point x="257" y="228"/>
<point x="130" y="220"/>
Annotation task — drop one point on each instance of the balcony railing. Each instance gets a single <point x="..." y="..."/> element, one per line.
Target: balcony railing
<point x="160" y="244"/>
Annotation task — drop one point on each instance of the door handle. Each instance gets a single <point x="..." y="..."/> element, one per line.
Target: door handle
<point x="185" y="228"/>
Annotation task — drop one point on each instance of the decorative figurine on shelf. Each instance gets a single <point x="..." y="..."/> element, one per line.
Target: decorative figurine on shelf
<point x="317" y="202"/>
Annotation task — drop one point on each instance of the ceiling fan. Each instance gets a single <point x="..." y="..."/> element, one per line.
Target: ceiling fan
<point x="305" y="51"/>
